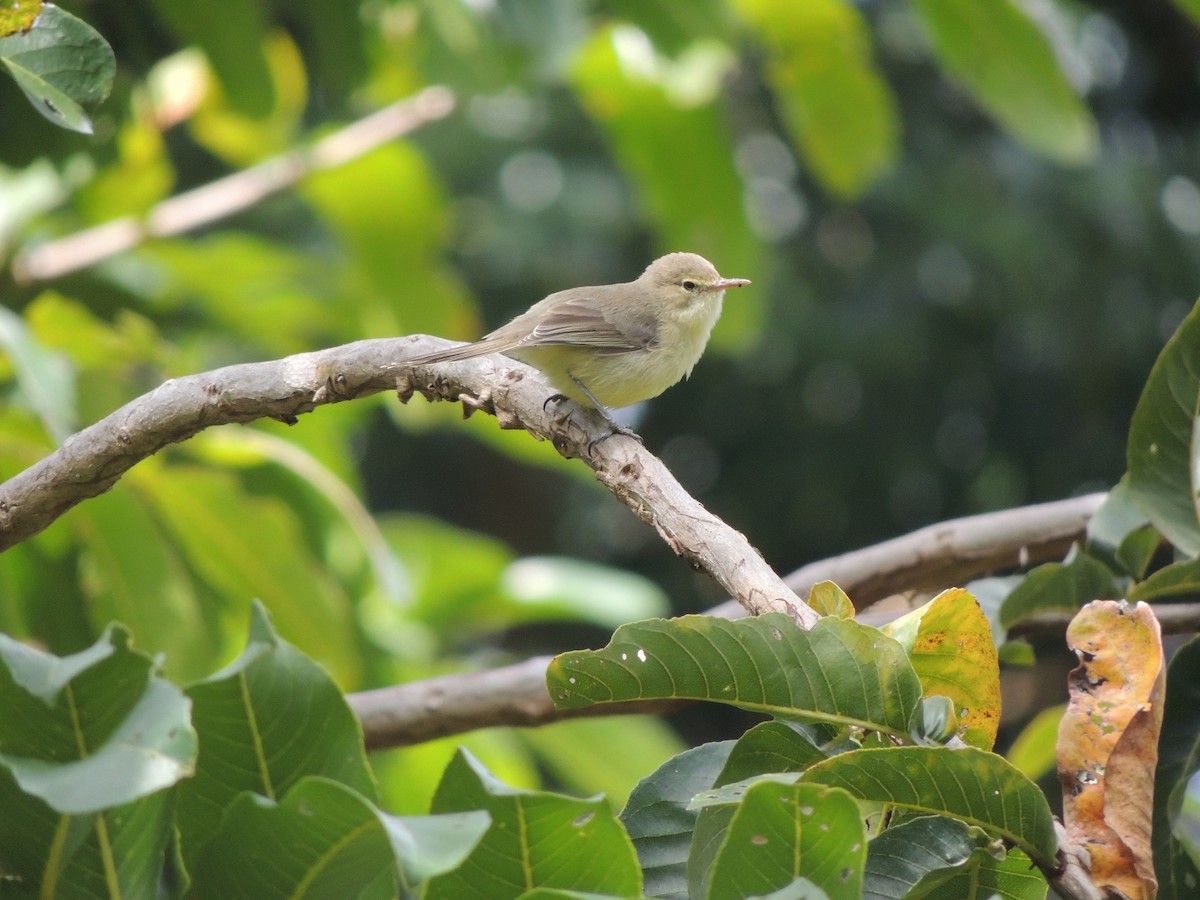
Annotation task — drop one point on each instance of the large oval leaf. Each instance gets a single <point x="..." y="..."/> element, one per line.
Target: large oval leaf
<point x="1162" y="439"/>
<point x="839" y="672"/>
<point x="63" y="65"/>
<point x="970" y="784"/>
<point x="835" y="103"/>
<point x="997" y="53"/>
<point x="661" y="822"/>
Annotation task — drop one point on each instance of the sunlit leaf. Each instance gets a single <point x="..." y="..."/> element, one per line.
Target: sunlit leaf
<point x="949" y="642"/>
<point x="250" y="547"/>
<point x="231" y="33"/>
<point x="1001" y="57"/>
<point x="1032" y="750"/>
<point x="650" y="107"/>
<point x="838" y="108"/>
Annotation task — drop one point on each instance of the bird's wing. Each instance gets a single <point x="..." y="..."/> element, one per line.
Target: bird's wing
<point x="581" y="323"/>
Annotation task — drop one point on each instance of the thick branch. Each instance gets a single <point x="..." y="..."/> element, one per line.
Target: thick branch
<point x="231" y="194"/>
<point x="91" y="461"/>
<point x="951" y="552"/>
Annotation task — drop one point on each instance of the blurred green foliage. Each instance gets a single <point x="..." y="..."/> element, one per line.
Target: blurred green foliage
<point x="965" y="257"/>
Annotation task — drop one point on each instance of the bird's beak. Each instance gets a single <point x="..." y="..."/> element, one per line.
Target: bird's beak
<point x="729" y="283"/>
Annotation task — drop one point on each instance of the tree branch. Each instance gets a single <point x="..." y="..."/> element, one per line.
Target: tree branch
<point x="423" y="710"/>
<point x="231" y="194"/>
<point x="91" y="461"/>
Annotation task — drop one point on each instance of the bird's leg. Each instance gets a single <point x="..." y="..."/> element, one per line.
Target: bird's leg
<point x="614" y="427"/>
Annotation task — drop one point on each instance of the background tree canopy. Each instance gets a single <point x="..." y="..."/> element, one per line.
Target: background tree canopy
<point x="971" y="228"/>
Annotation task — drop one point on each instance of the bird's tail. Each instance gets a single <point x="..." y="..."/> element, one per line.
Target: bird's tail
<point x="461" y="352"/>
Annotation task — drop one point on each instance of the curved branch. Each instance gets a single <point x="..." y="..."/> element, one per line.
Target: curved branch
<point x="91" y="461"/>
<point x="233" y="193"/>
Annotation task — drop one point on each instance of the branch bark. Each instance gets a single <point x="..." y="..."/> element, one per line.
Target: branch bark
<point x="231" y="194"/>
<point x="93" y="460"/>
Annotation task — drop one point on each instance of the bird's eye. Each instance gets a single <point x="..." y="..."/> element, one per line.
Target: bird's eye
<point x="689" y="286"/>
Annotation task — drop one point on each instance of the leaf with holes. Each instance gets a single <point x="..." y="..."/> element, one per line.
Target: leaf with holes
<point x="840" y="672"/>
<point x="950" y="644"/>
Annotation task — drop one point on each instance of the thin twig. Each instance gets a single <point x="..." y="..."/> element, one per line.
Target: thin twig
<point x="232" y="194"/>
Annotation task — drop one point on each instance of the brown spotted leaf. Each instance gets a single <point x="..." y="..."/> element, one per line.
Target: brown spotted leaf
<point x="949" y="642"/>
<point x="1108" y="741"/>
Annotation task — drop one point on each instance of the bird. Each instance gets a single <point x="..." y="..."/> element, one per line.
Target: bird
<point x="613" y="345"/>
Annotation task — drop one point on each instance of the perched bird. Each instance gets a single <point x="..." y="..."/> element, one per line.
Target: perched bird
<point x="613" y="345"/>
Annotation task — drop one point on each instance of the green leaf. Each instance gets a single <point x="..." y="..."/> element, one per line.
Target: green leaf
<point x="388" y="211"/>
<point x="536" y="840"/>
<point x="1115" y="518"/>
<point x="46" y="380"/>
<point x="840" y="672"/>
<point x="591" y="755"/>
<point x="119" y="852"/>
<point x="1169" y="581"/>
<point x="660" y="820"/>
<point x="325" y="840"/>
<point x="63" y="65"/>
<point x="1178" y="761"/>
<point x="94" y="730"/>
<point x="970" y="784"/>
<point x="938" y="857"/>
<point x="131" y="574"/>
<point x="1191" y="8"/>
<point x="837" y="107"/>
<point x="543" y="587"/>
<point x="231" y="34"/>
<point x="771" y="747"/>
<point x="265" y="722"/>
<point x="781" y="832"/>
<point x="1033" y="750"/>
<point x="1001" y="57"/>
<point x="1162" y="435"/>
<point x="649" y="107"/>
<point x="1061" y="587"/>
<point x="249" y="546"/>
<point x="899" y="857"/>
<point x="830" y="600"/>
<point x="983" y="876"/>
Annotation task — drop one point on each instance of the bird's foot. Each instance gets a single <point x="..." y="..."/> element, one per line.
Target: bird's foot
<point x="562" y="421"/>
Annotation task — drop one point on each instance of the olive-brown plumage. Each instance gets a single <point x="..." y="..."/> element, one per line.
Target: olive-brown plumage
<point x="615" y="344"/>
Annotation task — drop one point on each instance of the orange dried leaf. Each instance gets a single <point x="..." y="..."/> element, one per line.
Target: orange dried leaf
<point x="1108" y="741"/>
